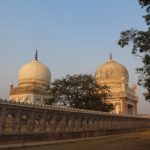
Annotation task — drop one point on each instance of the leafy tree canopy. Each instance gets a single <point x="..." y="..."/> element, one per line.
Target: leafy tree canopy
<point x="140" y="47"/>
<point x="79" y="91"/>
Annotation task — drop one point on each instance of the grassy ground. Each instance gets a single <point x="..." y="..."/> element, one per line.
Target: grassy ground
<point x="130" y="141"/>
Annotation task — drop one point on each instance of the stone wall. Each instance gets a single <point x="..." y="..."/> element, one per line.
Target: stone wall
<point x="20" y="122"/>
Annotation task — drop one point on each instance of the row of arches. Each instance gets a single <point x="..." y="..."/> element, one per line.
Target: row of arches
<point x="32" y="119"/>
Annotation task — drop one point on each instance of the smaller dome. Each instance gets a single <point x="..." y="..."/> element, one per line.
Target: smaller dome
<point x="112" y="72"/>
<point x="34" y="72"/>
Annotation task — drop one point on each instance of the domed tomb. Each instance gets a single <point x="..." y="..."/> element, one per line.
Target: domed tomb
<point x="34" y="81"/>
<point x="112" y="72"/>
<point x="34" y="73"/>
<point x="116" y="77"/>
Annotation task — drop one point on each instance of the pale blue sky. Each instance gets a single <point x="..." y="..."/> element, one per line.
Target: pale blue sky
<point x="72" y="36"/>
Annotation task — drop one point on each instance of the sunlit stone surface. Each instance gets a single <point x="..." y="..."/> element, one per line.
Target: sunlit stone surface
<point x="34" y="80"/>
<point x="115" y="75"/>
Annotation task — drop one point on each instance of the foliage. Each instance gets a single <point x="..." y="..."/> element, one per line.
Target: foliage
<point x="141" y="47"/>
<point x="79" y="91"/>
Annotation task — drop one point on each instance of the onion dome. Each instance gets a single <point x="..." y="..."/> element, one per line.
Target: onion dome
<point x="111" y="72"/>
<point x="34" y="73"/>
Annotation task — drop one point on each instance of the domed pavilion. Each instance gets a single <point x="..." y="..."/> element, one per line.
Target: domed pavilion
<point x="116" y="77"/>
<point x="34" y="81"/>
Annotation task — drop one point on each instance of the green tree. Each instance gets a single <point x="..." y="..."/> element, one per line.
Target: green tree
<point x="79" y="91"/>
<point x="140" y="47"/>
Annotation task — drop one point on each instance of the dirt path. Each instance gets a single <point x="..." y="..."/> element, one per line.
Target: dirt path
<point x="130" y="141"/>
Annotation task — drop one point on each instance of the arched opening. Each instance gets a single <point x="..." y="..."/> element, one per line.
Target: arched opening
<point x="117" y="109"/>
<point x="9" y="122"/>
<point x="36" y="125"/>
<point x="24" y="122"/>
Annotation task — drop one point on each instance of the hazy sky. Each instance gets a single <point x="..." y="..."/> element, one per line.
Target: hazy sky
<point x="72" y="36"/>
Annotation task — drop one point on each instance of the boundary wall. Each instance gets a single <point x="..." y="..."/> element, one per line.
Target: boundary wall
<point x="21" y="122"/>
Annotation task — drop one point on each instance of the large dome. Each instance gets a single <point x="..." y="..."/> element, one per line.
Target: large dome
<point x="34" y="73"/>
<point x="112" y="72"/>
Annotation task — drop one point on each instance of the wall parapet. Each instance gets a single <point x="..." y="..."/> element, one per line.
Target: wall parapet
<point x="28" y="119"/>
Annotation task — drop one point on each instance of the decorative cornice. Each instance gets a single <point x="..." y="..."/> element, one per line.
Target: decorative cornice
<point x="60" y="108"/>
<point x="28" y="90"/>
<point x="33" y="81"/>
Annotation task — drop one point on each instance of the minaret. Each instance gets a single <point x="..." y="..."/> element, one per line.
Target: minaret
<point x="110" y="56"/>
<point x="36" y="55"/>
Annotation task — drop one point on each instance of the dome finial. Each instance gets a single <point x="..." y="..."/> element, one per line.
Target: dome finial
<point x="110" y="56"/>
<point x="36" y="55"/>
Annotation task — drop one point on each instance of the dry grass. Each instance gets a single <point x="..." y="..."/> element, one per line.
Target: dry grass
<point x="130" y="141"/>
